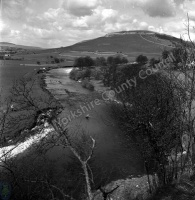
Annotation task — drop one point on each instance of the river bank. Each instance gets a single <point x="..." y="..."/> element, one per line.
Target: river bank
<point x="115" y="160"/>
<point x="114" y="157"/>
<point x="29" y="128"/>
<point x="118" y="160"/>
<point x="101" y="126"/>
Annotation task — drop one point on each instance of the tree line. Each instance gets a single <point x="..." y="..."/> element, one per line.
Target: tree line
<point x="87" y="61"/>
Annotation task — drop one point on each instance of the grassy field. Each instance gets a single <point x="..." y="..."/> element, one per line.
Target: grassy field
<point x="34" y="57"/>
<point x="70" y="56"/>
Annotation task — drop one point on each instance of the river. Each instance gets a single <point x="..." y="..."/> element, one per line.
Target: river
<point x="114" y="157"/>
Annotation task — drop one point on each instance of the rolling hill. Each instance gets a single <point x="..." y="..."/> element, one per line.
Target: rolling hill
<point x="130" y="43"/>
<point x="125" y="41"/>
<point x="7" y="46"/>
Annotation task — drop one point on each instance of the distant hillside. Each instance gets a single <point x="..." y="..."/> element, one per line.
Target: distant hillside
<point x="7" y="45"/>
<point x="128" y="42"/>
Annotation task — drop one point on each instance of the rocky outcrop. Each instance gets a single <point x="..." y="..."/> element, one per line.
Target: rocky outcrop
<point x="129" y="189"/>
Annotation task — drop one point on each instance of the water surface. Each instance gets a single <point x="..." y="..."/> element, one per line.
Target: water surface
<point x="114" y="156"/>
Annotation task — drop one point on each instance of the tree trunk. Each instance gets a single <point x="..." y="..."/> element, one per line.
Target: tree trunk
<point x="89" y="192"/>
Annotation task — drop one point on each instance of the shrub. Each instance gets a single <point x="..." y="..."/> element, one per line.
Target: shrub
<point x="110" y="60"/>
<point x="77" y="74"/>
<point x="74" y="74"/>
<point x="56" y="60"/>
<point x="141" y="59"/>
<point x="100" y="61"/>
<point x="179" y="54"/>
<point x="86" y="73"/>
<point x="153" y="62"/>
<point x="84" y="62"/>
<point x="86" y="84"/>
<point x="116" y="60"/>
<point x="165" y="54"/>
<point x="79" y="62"/>
<point x="97" y="74"/>
<point x="88" y="61"/>
<point x="124" y="60"/>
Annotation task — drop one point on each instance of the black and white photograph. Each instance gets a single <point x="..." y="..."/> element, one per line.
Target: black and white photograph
<point x="97" y="99"/>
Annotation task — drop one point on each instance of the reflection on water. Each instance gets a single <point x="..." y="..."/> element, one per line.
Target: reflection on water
<point x="58" y="80"/>
<point x="114" y="155"/>
<point x="68" y="70"/>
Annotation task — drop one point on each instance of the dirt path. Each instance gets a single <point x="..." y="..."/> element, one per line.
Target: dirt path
<point x="156" y="42"/>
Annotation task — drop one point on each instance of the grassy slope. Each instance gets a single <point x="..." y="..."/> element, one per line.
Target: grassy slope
<point x="131" y="45"/>
<point x="127" y="43"/>
<point x="5" y="45"/>
<point x="124" y="43"/>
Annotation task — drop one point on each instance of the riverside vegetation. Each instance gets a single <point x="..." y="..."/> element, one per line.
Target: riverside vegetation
<point x="156" y="114"/>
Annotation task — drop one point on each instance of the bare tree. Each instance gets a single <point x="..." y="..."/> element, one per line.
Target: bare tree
<point x="42" y="109"/>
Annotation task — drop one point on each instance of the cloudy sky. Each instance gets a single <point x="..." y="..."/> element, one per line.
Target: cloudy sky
<point x="55" y="23"/>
